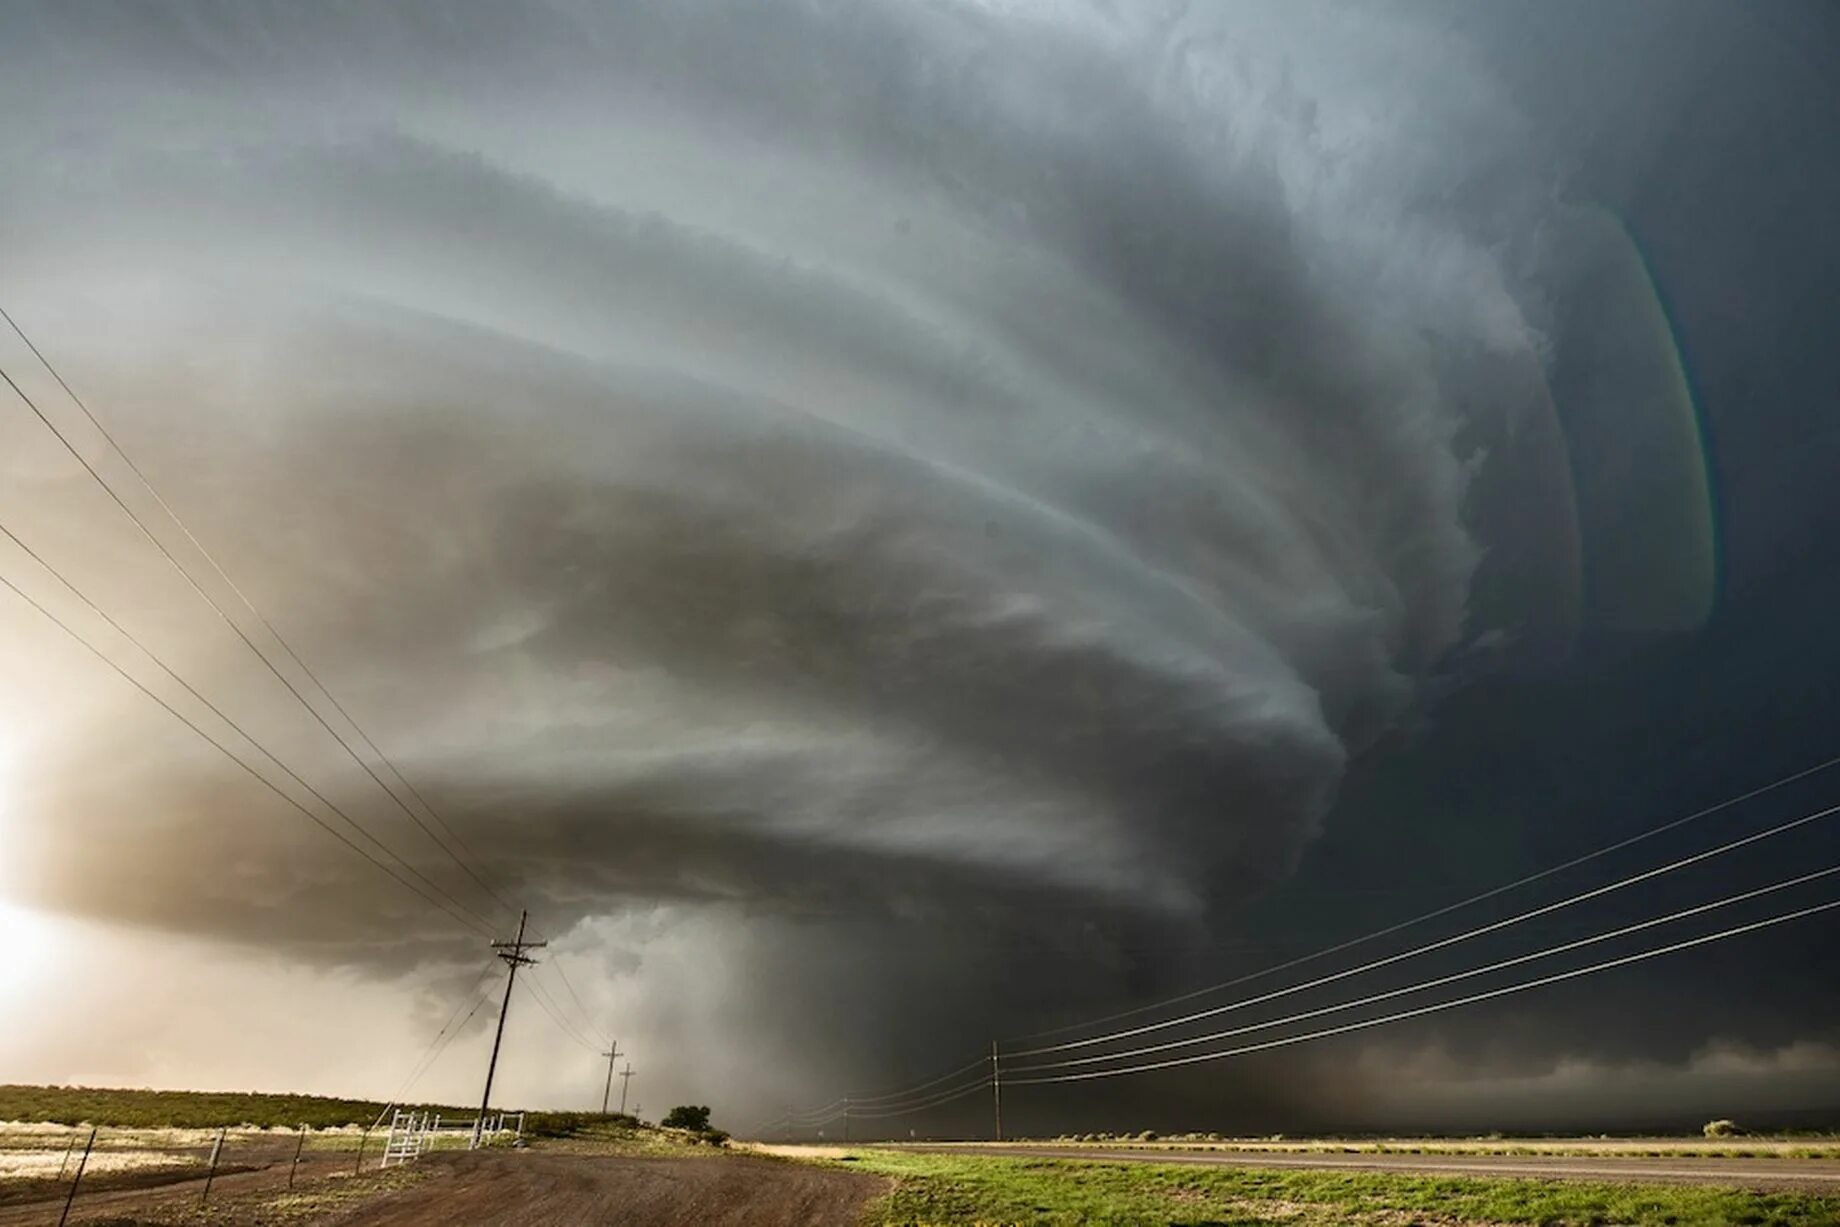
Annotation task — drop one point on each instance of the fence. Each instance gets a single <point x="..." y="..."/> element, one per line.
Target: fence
<point x="59" y="1166"/>
<point x="413" y="1134"/>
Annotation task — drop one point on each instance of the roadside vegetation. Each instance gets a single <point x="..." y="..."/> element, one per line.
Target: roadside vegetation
<point x="937" y="1190"/>
<point x="137" y="1109"/>
<point x="1720" y="1143"/>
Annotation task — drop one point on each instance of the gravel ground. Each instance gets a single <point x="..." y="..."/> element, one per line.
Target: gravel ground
<point x="536" y="1189"/>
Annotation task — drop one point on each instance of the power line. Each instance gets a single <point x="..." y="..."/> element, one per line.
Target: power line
<point x="831" y="1111"/>
<point x="587" y="1016"/>
<point x="1437" y="945"/>
<point x="1491" y="893"/>
<point x="1439" y="981"/>
<point x="442" y="1038"/>
<point x="550" y="1008"/>
<point x="150" y="654"/>
<point x="1345" y="1028"/>
<point x="933" y="1101"/>
<point x="212" y="601"/>
<point x="231" y="755"/>
<point x="883" y="1099"/>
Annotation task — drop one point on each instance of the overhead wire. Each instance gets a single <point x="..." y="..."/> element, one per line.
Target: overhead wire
<point x="888" y="1099"/>
<point x="1435" y="1007"/>
<point x="215" y="710"/>
<point x="212" y="601"/>
<point x="1440" y="944"/>
<point x="548" y="1006"/>
<point x="1445" y="910"/>
<point x="443" y="1037"/>
<point x="463" y="918"/>
<point x="1437" y="982"/>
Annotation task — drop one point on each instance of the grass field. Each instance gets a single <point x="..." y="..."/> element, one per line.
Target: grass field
<point x="975" y="1191"/>
<point x="1759" y="1146"/>
<point x="140" y="1109"/>
<point x="73" y="1105"/>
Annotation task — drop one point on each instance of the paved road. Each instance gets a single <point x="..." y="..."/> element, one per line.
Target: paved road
<point x="1799" y="1175"/>
<point x="536" y="1189"/>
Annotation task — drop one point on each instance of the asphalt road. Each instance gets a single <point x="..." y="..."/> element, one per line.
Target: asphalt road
<point x="1764" y="1175"/>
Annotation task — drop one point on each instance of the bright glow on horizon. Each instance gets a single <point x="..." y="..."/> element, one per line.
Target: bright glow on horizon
<point x="34" y="941"/>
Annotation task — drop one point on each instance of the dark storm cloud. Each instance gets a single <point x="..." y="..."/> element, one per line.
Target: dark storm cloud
<point x="930" y="471"/>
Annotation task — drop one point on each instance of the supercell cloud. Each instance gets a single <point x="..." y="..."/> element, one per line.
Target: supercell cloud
<point x="811" y="469"/>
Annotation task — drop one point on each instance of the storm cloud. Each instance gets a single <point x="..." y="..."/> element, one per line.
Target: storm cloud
<point x="844" y="478"/>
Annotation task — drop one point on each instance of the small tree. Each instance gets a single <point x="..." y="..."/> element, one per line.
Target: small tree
<point x="687" y="1116"/>
<point x="1719" y="1129"/>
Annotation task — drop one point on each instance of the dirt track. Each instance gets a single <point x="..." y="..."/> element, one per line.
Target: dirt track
<point x="266" y="1172"/>
<point x="1766" y="1175"/>
<point x="534" y="1189"/>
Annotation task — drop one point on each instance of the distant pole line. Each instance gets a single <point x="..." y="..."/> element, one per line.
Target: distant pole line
<point x="625" y="1085"/>
<point x="612" y="1054"/>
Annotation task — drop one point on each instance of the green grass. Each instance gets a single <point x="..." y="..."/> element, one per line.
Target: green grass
<point x="935" y="1190"/>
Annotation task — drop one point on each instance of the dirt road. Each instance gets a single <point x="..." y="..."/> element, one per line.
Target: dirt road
<point x="1764" y="1175"/>
<point x="534" y="1189"/>
<point x="160" y="1190"/>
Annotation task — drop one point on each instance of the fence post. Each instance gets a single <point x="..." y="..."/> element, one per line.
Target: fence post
<point x="217" y="1149"/>
<point x="81" y="1164"/>
<point x="362" y="1139"/>
<point x="68" y="1148"/>
<point x="298" y="1147"/>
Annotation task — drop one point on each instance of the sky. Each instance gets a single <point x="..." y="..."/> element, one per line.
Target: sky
<point x="887" y="526"/>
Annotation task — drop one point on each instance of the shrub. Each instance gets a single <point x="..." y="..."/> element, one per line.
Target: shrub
<point x="1719" y="1128"/>
<point x="689" y="1116"/>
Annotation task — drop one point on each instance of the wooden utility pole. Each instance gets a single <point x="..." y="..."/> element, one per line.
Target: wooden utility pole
<point x="846" y="1118"/>
<point x="996" y="1088"/>
<point x="611" y="1054"/>
<point x="625" y="1085"/>
<point x="513" y="954"/>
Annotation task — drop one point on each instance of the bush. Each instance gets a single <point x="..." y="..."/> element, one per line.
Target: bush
<point x="1719" y="1129"/>
<point x="568" y="1124"/>
<point x="687" y="1116"/>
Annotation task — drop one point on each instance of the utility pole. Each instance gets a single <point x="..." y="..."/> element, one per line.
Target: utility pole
<point x="611" y="1054"/>
<point x="996" y="1088"/>
<point x="625" y="1085"/>
<point x="846" y="1118"/>
<point x="513" y="955"/>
